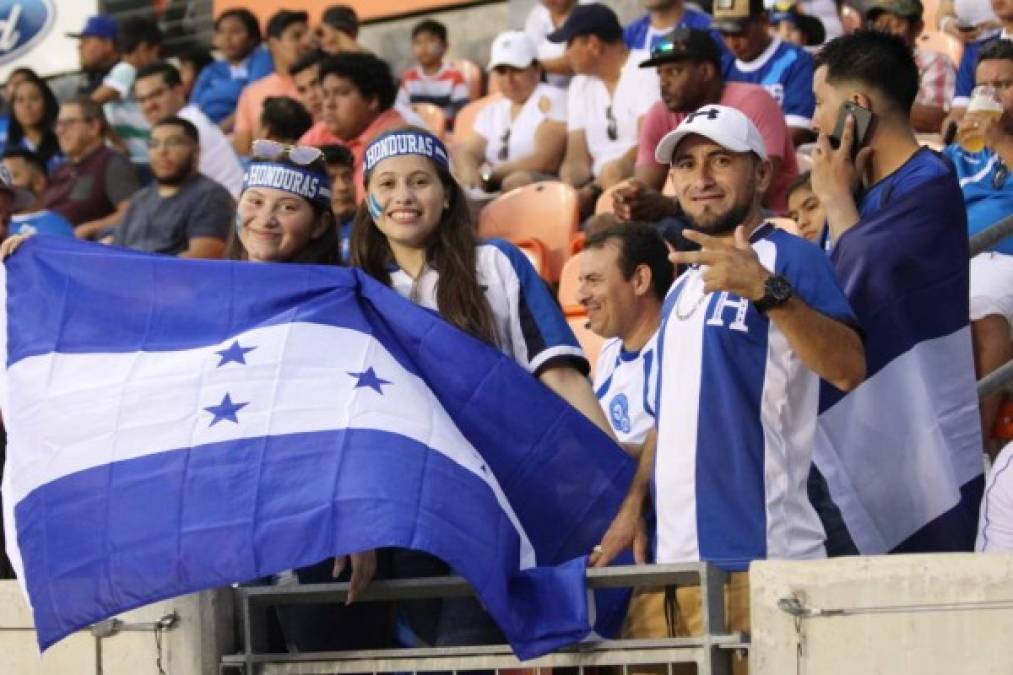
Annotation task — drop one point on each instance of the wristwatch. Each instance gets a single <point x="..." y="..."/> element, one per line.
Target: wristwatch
<point x="776" y="291"/>
<point x="485" y="175"/>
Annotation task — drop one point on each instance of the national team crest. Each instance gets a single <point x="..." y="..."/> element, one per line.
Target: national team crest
<point x="619" y="411"/>
<point x="544" y="104"/>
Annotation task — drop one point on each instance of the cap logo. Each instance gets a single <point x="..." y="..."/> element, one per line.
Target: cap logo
<point x="710" y="113"/>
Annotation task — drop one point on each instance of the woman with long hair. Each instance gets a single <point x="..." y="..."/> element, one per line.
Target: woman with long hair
<point x="33" y="113"/>
<point x="414" y="234"/>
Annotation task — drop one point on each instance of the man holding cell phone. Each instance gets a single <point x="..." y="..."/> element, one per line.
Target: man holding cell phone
<point x="899" y="458"/>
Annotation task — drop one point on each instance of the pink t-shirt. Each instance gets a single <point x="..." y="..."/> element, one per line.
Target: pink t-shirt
<point x="319" y="134"/>
<point x="251" y="101"/>
<point x="754" y="101"/>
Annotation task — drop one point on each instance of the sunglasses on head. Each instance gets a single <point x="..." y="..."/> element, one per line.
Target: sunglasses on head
<point x="272" y="151"/>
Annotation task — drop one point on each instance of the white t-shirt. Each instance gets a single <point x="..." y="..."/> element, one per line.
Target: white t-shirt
<point x="529" y="326"/>
<point x="626" y="386"/>
<point x="537" y="26"/>
<point x="545" y="103"/>
<point x="218" y="160"/>
<point x="995" y="526"/>
<point x="124" y="116"/>
<point x="589" y="101"/>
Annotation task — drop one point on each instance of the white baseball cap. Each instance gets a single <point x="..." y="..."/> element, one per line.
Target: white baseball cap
<point x="513" y="48"/>
<point x="726" y="126"/>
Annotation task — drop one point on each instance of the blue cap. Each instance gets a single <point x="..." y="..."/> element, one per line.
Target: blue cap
<point x="100" y="26"/>
<point x="595" y="19"/>
<point x="405" y="142"/>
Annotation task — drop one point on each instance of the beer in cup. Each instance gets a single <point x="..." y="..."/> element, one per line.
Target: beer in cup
<point x="985" y="103"/>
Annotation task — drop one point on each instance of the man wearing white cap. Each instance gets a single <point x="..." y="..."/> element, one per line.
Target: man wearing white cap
<point x="520" y="138"/>
<point x="746" y="334"/>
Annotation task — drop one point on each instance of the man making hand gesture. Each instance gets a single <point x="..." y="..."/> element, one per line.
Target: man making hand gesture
<point x="747" y="332"/>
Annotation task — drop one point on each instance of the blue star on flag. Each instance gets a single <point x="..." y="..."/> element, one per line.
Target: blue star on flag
<point x="226" y="410"/>
<point x="234" y="354"/>
<point x="368" y="378"/>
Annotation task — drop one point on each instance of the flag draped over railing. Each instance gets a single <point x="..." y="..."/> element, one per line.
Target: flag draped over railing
<point x="179" y="425"/>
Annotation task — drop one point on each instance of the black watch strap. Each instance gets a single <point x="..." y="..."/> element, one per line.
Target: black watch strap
<point x="777" y="291"/>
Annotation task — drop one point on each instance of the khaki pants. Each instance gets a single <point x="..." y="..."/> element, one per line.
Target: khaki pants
<point x="652" y="615"/>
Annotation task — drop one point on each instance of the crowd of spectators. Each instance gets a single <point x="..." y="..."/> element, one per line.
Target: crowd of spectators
<point x="695" y="131"/>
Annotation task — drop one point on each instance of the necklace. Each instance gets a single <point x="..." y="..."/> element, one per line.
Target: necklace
<point x="679" y="314"/>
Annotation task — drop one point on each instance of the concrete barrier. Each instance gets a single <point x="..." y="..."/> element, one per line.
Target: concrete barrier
<point x="193" y="646"/>
<point x="902" y="615"/>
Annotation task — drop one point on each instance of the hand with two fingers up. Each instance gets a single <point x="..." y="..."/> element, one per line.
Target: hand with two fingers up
<point x="728" y="263"/>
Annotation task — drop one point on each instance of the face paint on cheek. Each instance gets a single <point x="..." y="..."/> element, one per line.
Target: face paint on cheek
<point x="374" y="207"/>
<point x="239" y="223"/>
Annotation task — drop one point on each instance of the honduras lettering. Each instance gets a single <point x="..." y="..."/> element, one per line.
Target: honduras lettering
<point x="406" y="143"/>
<point x="308" y="184"/>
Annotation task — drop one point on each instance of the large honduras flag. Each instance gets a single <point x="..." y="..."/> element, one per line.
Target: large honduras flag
<point x="178" y="425"/>
<point x="902" y="453"/>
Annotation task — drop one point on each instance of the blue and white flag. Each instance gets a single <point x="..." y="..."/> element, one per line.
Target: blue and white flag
<point x="180" y="425"/>
<point x="902" y="453"/>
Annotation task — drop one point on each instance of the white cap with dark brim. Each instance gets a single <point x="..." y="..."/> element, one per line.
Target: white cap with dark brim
<point x="514" y="49"/>
<point x="726" y="126"/>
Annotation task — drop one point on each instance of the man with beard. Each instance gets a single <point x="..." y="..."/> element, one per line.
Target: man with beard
<point x="689" y="69"/>
<point x="746" y="334"/>
<point x="182" y="213"/>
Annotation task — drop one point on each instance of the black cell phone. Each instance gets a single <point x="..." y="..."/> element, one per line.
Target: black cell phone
<point x="863" y="126"/>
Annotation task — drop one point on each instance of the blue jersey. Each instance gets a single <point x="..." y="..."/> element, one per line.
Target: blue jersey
<point x="41" y="222"/>
<point x="626" y="386"/>
<point x="923" y="165"/>
<point x="217" y="89"/>
<point x="529" y="324"/>
<point x="737" y="416"/>
<point x="639" y="36"/>
<point x="987" y="188"/>
<point x="786" y="72"/>
<point x="968" y="64"/>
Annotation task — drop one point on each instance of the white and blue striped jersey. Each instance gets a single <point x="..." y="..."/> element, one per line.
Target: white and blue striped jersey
<point x="529" y="324"/>
<point x="626" y="386"/>
<point x="736" y="417"/>
<point x="786" y="72"/>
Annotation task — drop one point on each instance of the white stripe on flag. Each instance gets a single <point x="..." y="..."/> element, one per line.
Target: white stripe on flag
<point x="891" y="474"/>
<point x="77" y="411"/>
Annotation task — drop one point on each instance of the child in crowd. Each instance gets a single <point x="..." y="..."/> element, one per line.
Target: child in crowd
<point x="341" y="171"/>
<point x="216" y="92"/>
<point x="192" y="61"/>
<point x="432" y="80"/>
<point x="805" y="209"/>
<point x="284" y="119"/>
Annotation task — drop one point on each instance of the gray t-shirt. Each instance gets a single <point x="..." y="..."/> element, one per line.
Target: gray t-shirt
<point x="201" y="208"/>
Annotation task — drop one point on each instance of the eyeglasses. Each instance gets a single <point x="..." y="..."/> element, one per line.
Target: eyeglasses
<point x="303" y="155"/>
<point x="613" y="126"/>
<point x="504" y="146"/>
<point x="153" y="95"/>
<point x="68" y="121"/>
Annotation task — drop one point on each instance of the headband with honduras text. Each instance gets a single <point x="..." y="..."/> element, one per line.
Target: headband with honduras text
<point x="405" y="142"/>
<point x="312" y="185"/>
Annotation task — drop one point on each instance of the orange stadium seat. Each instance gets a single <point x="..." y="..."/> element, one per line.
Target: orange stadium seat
<point x="546" y="211"/>
<point x="851" y="19"/>
<point x="590" y="342"/>
<point x="569" y="281"/>
<point x="535" y="252"/>
<point x="464" y="123"/>
<point x="473" y="76"/>
<point x="942" y="43"/>
<point x="577" y="243"/>
<point x="433" y="116"/>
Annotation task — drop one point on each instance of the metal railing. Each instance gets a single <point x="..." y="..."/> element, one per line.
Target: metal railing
<point x="711" y="652"/>
<point x="1000" y="379"/>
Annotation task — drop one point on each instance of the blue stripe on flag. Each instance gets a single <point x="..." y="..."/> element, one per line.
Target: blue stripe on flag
<point x="562" y="476"/>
